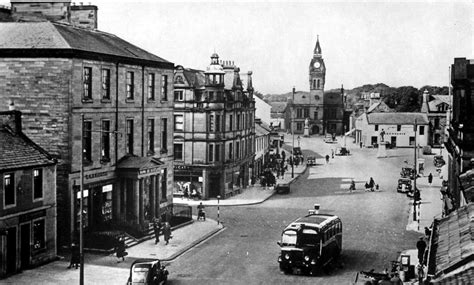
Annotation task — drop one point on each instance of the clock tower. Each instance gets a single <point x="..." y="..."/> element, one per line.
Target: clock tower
<point x="317" y="72"/>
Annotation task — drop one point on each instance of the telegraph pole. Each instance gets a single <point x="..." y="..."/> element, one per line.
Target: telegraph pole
<point x="414" y="178"/>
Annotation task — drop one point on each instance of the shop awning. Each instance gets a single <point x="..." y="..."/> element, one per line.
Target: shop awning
<point x="451" y="250"/>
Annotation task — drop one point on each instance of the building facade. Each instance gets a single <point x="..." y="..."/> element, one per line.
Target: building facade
<point x="27" y="199"/>
<point x="460" y="140"/>
<point x="436" y="107"/>
<point x="397" y="129"/>
<point x="262" y="147"/>
<point x="263" y="110"/>
<point x="94" y="100"/>
<point x="214" y="131"/>
<point x="333" y="112"/>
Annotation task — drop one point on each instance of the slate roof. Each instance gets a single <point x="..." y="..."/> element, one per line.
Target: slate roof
<point x="453" y="245"/>
<point x="138" y="162"/>
<point x="56" y="36"/>
<point x="261" y="130"/>
<point x="278" y="107"/>
<point x="397" y="118"/>
<point x="195" y="78"/>
<point x="18" y="151"/>
<point x="438" y="99"/>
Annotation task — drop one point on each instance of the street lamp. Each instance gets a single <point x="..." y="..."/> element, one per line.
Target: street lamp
<point x="293" y="136"/>
<point x="218" y="212"/>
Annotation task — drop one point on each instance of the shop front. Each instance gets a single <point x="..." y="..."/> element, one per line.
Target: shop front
<point x="188" y="182"/>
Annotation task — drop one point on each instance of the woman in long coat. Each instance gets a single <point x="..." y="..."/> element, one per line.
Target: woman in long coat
<point x="167" y="232"/>
<point x="120" y="249"/>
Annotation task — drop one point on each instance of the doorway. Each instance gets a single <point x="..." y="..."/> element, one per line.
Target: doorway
<point x="393" y="141"/>
<point x="11" y="251"/>
<point x="315" y="130"/>
<point x="25" y="246"/>
<point x="214" y="185"/>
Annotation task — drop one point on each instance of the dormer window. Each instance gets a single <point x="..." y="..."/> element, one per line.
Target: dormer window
<point x="178" y="79"/>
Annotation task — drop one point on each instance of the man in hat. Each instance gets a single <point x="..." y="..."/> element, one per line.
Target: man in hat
<point x="421" y="246"/>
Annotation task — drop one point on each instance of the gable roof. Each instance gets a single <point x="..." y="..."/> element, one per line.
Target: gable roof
<point x="393" y="118"/>
<point x="138" y="162"/>
<point x="18" y="151"/>
<point x="52" y="38"/>
<point x="278" y="107"/>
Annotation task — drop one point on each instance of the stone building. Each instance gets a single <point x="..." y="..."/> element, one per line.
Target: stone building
<point x="460" y="141"/>
<point x="436" y="107"/>
<point x="398" y="129"/>
<point x="214" y="131"/>
<point x="91" y="97"/>
<point x="27" y="199"/>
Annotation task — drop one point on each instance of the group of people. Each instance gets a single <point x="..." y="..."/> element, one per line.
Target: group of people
<point x="158" y="227"/>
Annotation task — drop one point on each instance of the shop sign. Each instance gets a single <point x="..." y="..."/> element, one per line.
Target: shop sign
<point x="149" y="170"/>
<point x="182" y="167"/>
<point x="95" y="175"/>
<point x="31" y="216"/>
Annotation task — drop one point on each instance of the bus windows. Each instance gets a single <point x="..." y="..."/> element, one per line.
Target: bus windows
<point x="308" y="237"/>
<point x="288" y="238"/>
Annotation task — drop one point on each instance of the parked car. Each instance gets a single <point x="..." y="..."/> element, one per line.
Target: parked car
<point x="147" y="271"/>
<point x="311" y="160"/>
<point x="438" y="161"/>
<point x="282" y="188"/>
<point x="407" y="172"/>
<point x="330" y="139"/>
<point x="404" y="185"/>
<point x="342" y="151"/>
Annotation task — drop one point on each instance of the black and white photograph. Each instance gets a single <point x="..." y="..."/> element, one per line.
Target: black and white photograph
<point x="236" y="142"/>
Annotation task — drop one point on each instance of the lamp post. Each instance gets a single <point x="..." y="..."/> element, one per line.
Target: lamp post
<point x="299" y="139"/>
<point x="81" y="205"/>
<point x="218" y="212"/>
<point x="293" y="136"/>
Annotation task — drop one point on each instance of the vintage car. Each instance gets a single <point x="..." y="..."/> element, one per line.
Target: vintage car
<point x="147" y="271"/>
<point x="342" y="151"/>
<point x="330" y="139"/>
<point x="311" y="160"/>
<point x="438" y="161"/>
<point x="404" y="185"/>
<point x="407" y="172"/>
<point x="297" y="151"/>
<point x="282" y="188"/>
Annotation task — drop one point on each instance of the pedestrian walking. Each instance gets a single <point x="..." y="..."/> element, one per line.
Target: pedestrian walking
<point x="360" y="144"/>
<point x="120" y="249"/>
<point x="167" y="232"/>
<point x="421" y="246"/>
<point x="332" y="153"/>
<point x="75" y="257"/>
<point x="327" y="158"/>
<point x="371" y="184"/>
<point x="430" y="178"/>
<point x="157" y="229"/>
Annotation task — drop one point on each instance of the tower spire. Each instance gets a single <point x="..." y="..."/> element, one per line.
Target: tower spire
<point x="317" y="48"/>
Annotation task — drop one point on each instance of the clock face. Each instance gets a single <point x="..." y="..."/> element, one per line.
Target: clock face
<point x="317" y="64"/>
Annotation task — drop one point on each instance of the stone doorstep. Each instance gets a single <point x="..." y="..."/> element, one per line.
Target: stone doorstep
<point x="131" y="241"/>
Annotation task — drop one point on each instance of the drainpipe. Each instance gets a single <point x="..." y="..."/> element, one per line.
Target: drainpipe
<point x="116" y="109"/>
<point x="143" y="111"/>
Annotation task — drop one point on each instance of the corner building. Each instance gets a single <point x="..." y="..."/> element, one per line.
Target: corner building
<point x="91" y="96"/>
<point x="214" y="130"/>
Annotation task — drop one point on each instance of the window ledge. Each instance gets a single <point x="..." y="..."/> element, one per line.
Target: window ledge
<point x="106" y="101"/>
<point x="151" y="100"/>
<point x="164" y="150"/>
<point x="129" y="100"/>
<point x="150" y="153"/>
<point x="87" y="100"/>
<point x="105" y="160"/>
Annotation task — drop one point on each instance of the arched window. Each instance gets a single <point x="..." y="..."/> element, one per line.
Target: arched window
<point x="318" y="84"/>
<point x="314" y="83"/>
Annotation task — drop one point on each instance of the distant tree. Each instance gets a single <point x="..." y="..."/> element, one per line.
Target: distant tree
<point x="404" y="99"/>
<point x="435" y="90"/>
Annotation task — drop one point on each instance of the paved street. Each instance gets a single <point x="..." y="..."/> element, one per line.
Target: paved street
<point x="374" y="223"/>
<point x="374" y="227"/>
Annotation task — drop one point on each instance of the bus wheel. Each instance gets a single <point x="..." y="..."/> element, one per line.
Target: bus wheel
<point x="285" y="270"/>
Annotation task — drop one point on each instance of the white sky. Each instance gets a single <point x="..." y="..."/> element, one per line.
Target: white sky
<point x="363" y="42"/>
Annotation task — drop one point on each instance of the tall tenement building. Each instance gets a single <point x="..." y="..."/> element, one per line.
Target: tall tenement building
<point x="460" y="141"/>
<point x="214" y="130"/>
<point x="89" y="96"/>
